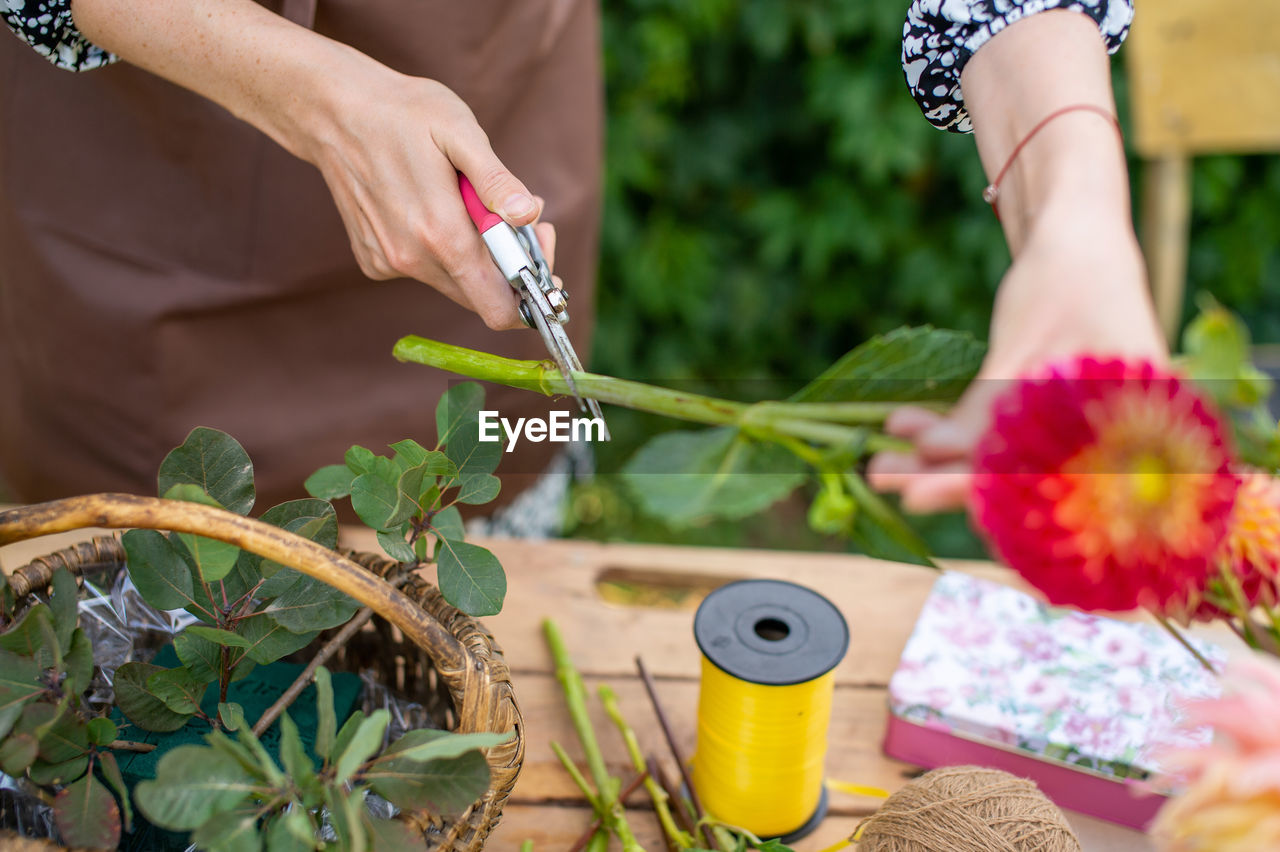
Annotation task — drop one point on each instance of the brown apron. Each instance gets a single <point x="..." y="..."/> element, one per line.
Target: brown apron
<point x="164" y="265"/>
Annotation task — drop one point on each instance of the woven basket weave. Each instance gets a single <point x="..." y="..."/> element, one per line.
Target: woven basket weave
<point x="420" y="647"/>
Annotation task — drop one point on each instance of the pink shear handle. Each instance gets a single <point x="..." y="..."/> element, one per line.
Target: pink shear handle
<point x="481" y="215"/>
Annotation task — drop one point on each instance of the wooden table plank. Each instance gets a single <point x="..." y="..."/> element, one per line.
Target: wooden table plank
<point x="880" y="600"/>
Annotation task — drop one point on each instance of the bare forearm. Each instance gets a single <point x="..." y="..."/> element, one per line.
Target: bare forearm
<point x="1076" y="162"/>
<point x="258" y="65"/>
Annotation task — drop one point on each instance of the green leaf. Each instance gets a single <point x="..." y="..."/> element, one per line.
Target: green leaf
<point x="880" y="531"/>
<point x="688" y="477"/>
<point x="111" y="772"/>
<point x="294" y="757"/>
<point x="348" y="730"/>
<point x="232" y="716"/>
<point x="309" y="605"/>
<point x="193" y="783"/>
<point x="326" y="721"/>
<point x="8" y="716"/>
<point x="395" y="546"/>
<point x="63" y="738"/>
<point x="359" y="460"/>
<point x="216" y="463"/>
<point x="219" y="636"/>
<point x="202" y="657"/>
<point x="19" y="680"/>
<point x="17" y="752"/>
<point x="478" y="488"/>
<point x="330" y="482"/>
<point x="180" y="689"/>
<point x="364" y="743"/>
<point x="457" y="405"/>
<point x="448" y="786"/>
<point x="291" y="831"/>
<point x="905" y="365"/>
<point x="138" y="704"/>
<point x="214" y="558"/>
<point x="410" y="453"/>
<point x="47" y="774"/>
<point x="447" y="523"/>
<point x="391" y="835"/>
<point x="158" y="569"/>
<point x="61" y="734"/>
<point x="269" y="641"/>
<point x="87" y="815"/>
<point x="63" y="605"/>
<point x="234" y="831"/>
<point x="102" y="731"/>
<point x="470" y="577"/>
<point x="314" y="520"/>
<point x="78" y="662"/>
<point x="375" y="501"/>
<point x="345" y="813"/>
<point x="425" y="744"/>
<point x="30" y="637"/>
<point x="458" y="427"/>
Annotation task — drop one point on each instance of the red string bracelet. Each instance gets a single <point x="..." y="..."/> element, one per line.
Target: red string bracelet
<point x="992" y="193"/>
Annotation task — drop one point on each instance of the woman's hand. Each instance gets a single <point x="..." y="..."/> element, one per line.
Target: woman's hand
<point x="1078" y="285"/>
<point x="392" y="163"/>
<point x="389" y="146"/>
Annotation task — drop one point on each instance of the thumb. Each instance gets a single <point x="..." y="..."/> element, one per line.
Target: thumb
<point x="501" y="191"/>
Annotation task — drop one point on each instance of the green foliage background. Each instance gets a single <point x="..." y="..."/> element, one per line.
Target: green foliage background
<point x="774" y="196"/>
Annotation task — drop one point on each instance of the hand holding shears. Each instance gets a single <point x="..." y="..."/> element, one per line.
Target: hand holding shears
<point x="543" y="305"/>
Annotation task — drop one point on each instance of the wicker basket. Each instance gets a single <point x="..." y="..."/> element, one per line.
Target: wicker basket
<point x="422" y="648"/>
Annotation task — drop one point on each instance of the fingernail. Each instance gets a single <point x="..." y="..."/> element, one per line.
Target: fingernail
<point x="517" y="205"/>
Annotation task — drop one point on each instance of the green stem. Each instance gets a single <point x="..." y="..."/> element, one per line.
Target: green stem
<point x="808" y="421"/>
<point x="579" y="781"/>
<point x="609" y="699"/>
<point x="609" y="808"/>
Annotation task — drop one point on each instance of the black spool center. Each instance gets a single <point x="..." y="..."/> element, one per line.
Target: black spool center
<point x="771" y="632"/>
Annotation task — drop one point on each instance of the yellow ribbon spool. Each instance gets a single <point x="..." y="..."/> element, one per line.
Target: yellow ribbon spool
<point x="769" y="649"/>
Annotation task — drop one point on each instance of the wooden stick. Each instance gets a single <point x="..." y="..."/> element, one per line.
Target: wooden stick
<point x="675" y="749"/>
<point x="680" y="806"/>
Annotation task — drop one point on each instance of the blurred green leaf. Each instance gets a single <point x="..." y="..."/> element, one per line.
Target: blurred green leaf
<point x="193" y="783"/>
<point x="445" y="786"/>
<point x="87" y="815"/>
<point x="686" y="477"/>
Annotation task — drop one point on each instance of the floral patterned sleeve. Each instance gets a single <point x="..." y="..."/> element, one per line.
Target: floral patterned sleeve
<point x="940" y="36"/>
<point x="46" y="25"/>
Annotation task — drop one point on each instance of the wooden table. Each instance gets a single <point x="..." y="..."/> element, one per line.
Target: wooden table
<point x="562" y="579"/>
<point x="565" y="579"/>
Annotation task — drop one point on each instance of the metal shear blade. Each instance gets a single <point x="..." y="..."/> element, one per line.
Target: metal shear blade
<point x="558" y="345"/>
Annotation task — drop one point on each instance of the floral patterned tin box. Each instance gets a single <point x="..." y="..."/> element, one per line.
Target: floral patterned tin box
<point x="1080" y="704"/>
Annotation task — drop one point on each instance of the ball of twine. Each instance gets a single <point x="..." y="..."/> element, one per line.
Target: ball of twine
<point x="967" y="809"/>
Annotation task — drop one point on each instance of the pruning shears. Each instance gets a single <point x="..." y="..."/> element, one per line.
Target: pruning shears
<point x="543" y="305"/>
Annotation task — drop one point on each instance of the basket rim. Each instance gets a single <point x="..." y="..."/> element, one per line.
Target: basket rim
<point x="479" y="682"/>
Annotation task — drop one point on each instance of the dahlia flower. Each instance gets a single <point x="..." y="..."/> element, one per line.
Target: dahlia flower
<point x="1249" y="557"/>
<point x="1232" y="799"/>
<point x="1106" y="484"/>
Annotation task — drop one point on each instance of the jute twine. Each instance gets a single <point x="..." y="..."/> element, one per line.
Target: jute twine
<point x="967" y="809"/>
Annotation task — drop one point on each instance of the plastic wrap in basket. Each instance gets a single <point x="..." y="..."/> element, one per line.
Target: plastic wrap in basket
<point x="419" y="646"/>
